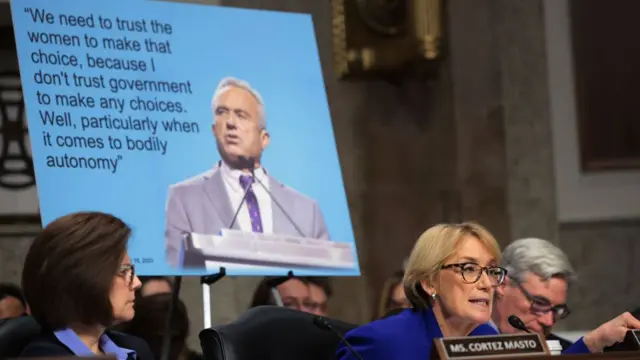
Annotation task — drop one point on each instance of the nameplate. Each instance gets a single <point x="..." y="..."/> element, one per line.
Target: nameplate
<point x="476" y="347"/>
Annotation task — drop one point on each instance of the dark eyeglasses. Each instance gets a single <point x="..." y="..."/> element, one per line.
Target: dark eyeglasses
<point x="471" y="272"/>
<point x="542" y="306"/>
<point x="127" y="271"/>
<point x="306" y="304"/>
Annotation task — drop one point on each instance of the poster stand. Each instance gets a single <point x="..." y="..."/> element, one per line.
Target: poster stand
<point x="207" y="281"/>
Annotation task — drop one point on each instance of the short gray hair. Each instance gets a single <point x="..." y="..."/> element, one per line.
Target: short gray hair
<point x="244" y="85"/>
<point x="539" y="257"/>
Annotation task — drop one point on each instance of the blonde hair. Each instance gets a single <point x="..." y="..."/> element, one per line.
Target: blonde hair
<point x="432" y="249"/>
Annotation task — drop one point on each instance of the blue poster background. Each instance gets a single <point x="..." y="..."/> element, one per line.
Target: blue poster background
<point x="275" y="52"/>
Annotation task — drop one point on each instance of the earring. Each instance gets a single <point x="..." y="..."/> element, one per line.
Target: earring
<point x="433" y="296"/>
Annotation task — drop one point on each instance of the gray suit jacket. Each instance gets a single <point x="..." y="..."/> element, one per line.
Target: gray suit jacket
<point x="201" y="205"/>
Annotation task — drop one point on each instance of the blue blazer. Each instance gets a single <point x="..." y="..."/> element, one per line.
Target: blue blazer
<point x="406" y="336"/>
<point x="578" y="347"/>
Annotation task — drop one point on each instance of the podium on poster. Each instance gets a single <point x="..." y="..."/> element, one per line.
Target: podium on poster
<point x="279" y="250"/>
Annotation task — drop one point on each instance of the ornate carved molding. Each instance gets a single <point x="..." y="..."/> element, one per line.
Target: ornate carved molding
<point x="16" y="164"/>
<point x="374" y="37"/>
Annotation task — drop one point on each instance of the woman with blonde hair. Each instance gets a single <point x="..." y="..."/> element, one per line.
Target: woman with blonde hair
<point x="449" y="280"/>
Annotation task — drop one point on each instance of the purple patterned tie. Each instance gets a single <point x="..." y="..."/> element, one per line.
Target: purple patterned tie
<point x="252" y="204"/>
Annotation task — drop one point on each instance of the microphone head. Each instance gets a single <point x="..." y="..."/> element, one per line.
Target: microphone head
<point x="247" y="161"/>
<point x="517" y="323"/>
<point x="321" y="322"/>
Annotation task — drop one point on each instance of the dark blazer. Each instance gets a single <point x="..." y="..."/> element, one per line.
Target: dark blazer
<point x="406" y="336"/>
<point x="47" y="345"/>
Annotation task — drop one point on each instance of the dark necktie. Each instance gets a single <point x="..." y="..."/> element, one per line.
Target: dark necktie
<point x="252" y="204"/>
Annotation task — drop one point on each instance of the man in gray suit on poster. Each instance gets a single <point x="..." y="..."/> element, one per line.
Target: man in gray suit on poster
<point x="205" y="204"/>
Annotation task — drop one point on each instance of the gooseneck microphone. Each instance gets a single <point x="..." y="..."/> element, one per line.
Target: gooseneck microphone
<point x="322" y="323"/>
<point x="199" y="261"/>
<point x="517" y="323"/>
<point x="250" y="162"/>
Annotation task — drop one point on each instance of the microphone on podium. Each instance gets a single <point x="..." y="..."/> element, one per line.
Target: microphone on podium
<point x="322" y="323"/>
<point x="199" y="261"/>
<point x="250" y="163"/>
<point x="517" y="323"/>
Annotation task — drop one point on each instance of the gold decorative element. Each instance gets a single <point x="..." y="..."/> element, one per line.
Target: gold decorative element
<point x="428" y="27"/>
<point x="372" y="37"/>
<point x="340" y="56"/>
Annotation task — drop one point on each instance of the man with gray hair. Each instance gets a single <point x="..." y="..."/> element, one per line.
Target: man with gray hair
<point x="535" y="289"/>
<point x="206" y="203"/>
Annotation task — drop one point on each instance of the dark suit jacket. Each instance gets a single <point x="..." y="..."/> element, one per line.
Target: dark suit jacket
<point x="406" y="336"/>
<point x="47" y="345"/>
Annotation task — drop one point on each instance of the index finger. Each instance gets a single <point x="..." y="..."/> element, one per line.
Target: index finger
<point x="631" y="322"/>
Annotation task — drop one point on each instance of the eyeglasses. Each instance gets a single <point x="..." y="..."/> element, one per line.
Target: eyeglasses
<point x="542" y="306"/>
<point x="127" y="271"/>
<point x="315" y="306"/>
<point x="299" y="304"/>
<point x="303" y="304"/>
<point x="471" y="272"/>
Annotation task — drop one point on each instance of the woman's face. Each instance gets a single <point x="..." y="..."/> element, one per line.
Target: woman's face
<point x="123" y="290"/>
<point x="459" y="297"/>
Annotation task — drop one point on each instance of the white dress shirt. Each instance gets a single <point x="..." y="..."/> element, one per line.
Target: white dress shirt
<point x="231" y="179"/>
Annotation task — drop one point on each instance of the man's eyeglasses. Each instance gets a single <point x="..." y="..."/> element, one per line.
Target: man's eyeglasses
<point x="542" y="306"/>
<point x="471" y="272"/>
<point x="128" y="272"/>
<point x="305" y="304"/>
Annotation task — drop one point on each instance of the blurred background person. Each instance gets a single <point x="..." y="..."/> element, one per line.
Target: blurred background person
<point x="308" y="294"/>
<point x="392" y="297"/>
<point x="320" y="291"/>
<point x="149" y="324"/>
<point x="78" y="281"/>
<point x="12" y="302"/>
<point x="154" y="285"/>
<point x="535" y="290"/>
<point x="450" y="280"/>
